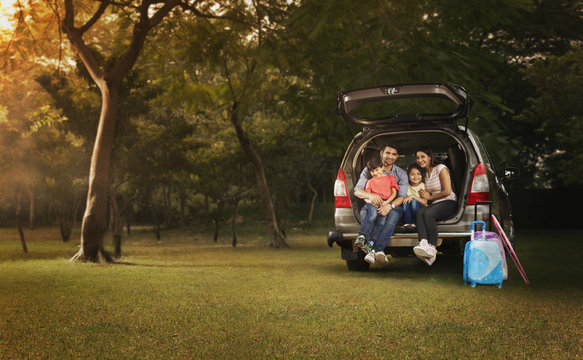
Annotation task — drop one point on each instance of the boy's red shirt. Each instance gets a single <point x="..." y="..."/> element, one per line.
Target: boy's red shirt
<point x="382" y="186"/>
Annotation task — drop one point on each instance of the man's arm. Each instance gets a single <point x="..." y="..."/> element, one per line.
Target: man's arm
<point x="373" y="198"/>
<point x="403" y="182"/>
<point x="361" y="193"/>
<point x="388" y="205"/>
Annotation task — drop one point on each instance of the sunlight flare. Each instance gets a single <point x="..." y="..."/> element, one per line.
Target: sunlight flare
<point x="7" y="10"/>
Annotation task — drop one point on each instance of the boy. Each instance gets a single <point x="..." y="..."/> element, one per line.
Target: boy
<point x="386" y="187"/>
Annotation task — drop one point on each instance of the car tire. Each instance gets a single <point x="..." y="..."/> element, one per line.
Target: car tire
<point x="358" y="264"/>
<point x="401" y="251"/>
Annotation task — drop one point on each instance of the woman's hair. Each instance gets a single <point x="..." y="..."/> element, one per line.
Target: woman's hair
<point x="416" y="166"/>
<point x="428" y="152"/>
<point x="374" y="163"/>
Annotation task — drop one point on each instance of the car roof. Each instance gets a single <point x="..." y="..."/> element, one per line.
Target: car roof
<point x="395" y="105"/>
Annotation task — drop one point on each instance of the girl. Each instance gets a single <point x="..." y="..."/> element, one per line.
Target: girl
<point x="438" y="190"/>
<point x="413" y="201"/>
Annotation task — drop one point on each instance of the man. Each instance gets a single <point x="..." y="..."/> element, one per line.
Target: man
<point x="391" y="209"/>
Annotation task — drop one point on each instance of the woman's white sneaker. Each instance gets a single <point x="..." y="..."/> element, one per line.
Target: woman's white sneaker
<point x="429" y="260"/>
<point x="425" y="252"/>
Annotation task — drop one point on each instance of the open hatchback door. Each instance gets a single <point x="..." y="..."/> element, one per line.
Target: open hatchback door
<point x="405" y="104"/>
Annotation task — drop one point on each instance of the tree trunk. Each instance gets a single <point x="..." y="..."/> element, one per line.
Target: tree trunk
<point x="65" y="227"/>
<point x="217" y="220"/>
<point x="94" y="223"/>
<point x="156" y="222"/>
<point x="64" y="215"/>
<point x="19" y="223"/>
<point x="167" y="206"/>
<point x="31" y="219"/>
<point x="117" y="225"/>
<point x="234" y="221"/>
<point x="277" y="238"/>
<point x="117" y="245"/>
<point x="182" y="207"/>
<point x="313" y="203"/>
<point x="129" y="221"/>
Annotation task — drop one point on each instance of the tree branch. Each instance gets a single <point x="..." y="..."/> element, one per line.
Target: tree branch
<point x="192" y="7"/>
<point x="141" y="29"/>
<point x="104" y="4"/>
<point x="76" y="39"/>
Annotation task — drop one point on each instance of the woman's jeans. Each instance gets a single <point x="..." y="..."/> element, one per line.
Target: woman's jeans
<point x="428" y="216"/>
<point x="410" y="211"/>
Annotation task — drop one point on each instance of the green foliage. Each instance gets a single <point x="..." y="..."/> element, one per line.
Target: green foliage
<point x="338" y="45"/>
<point x="281" y="63"/>
<point x="344" y="45"/>
<point x="555" y="120"/>
<point x="39" y="154"/>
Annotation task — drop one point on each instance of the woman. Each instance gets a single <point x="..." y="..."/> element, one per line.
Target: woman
<point x="443" y="204"/>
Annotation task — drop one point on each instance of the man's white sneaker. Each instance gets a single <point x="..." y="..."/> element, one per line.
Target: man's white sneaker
<point x="381" y="258"/>
<point x="370" y="257"/>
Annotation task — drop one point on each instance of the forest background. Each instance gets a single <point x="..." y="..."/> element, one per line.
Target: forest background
<point x="232" y="102"/>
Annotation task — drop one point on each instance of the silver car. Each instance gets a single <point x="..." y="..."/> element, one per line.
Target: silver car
<point x="391" y="114"/>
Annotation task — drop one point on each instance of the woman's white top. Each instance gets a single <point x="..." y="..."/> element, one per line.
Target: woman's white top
<point x="433" y="183"/>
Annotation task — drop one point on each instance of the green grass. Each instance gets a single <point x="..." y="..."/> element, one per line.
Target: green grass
<point x="187" y="297"/>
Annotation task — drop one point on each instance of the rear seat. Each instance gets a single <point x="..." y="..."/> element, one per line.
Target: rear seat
<point x="456" y="162"/>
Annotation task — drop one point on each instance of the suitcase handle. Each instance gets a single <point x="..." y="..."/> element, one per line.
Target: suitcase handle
<point x="478" y="222"/>
<point x="472" y="228"/>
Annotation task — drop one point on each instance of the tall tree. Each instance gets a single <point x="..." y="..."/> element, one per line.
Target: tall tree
<point x="144" y="15"/>
<point x="240" y="83"/>
<point x="108" y="72"/>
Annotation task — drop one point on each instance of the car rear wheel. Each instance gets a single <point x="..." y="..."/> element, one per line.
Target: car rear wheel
<point x="401" y="251"/>
<point x="357" y="264"/>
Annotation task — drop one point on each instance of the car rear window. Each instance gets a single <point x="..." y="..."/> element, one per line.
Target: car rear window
<point x="400" y="107"/>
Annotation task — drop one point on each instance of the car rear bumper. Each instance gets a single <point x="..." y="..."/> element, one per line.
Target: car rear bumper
<point x="397" y="240"/>
<point x="458" y="227"/>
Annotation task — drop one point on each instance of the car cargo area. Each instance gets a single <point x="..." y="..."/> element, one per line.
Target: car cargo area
<point x="447" y="149"/>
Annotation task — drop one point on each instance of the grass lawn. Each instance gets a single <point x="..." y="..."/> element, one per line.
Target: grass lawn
<point x="189" y="298"/>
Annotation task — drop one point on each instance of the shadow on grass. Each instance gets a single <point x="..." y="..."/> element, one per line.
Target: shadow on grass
<point x="551" y="261"/>
<point x="447" y="268"/>
<point x="183" y="265"/>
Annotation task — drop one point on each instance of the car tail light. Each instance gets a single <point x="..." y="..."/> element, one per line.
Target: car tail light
<point x="341" y="198"/>
<point x="480" y="189"/>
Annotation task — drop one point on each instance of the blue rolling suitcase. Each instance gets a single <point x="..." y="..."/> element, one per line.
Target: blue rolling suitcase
<point x="483" y="262"/>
